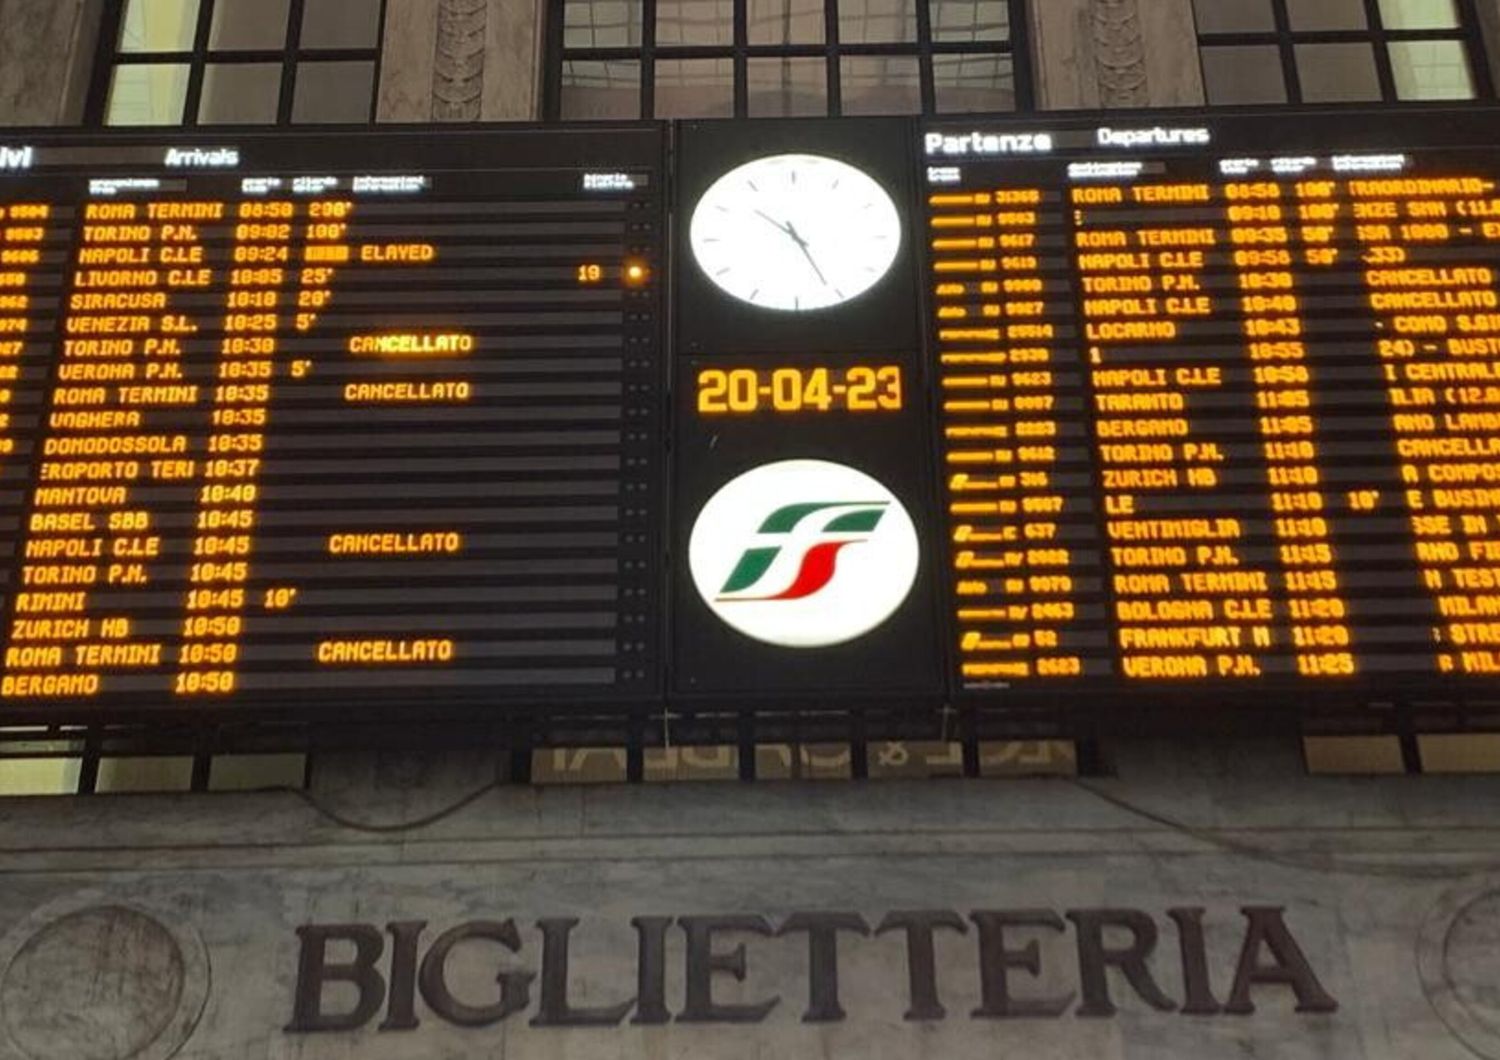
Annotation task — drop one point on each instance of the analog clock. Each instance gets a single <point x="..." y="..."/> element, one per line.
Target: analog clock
<point x="795" y="232"/>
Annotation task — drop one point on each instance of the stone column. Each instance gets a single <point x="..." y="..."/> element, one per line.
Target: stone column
<point x="46" y="59"/>
<point x="1489" y="28"/>
<point x="1092" y="54"/>
<point x="461" y="60"/>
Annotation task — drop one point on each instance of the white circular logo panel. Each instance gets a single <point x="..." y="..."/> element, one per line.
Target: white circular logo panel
<point x="804" y="553"/>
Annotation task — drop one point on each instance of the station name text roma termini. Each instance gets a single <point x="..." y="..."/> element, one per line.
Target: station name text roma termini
<point x="392" y="966"/>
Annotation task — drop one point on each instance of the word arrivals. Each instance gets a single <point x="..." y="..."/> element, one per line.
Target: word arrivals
<point x="1008" y="950"/>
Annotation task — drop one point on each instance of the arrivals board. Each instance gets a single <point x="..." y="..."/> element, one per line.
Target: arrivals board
<point x="1218" y="402"/>
<point x="330" y="419"/>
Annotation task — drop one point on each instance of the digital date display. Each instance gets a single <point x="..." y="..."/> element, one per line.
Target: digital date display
<point x="750" y="391"/>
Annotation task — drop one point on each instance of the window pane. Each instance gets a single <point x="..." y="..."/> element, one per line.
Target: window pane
<point x="240" y="94"/>
<point x="694" y="22"/>
<point x="333" y="92"/>
<point x="1327" y="14"/>
<point x="1419" y="14"/>
<point x="147" y="94"/>
<point x="159" y="26"/>
<point x="1337" y="73"/>
<point x="1243" y="74"/>
<point x="39" y="776"/>
<point x="973" y="83"/>
<point x="249" y="24"/>
<point x="602" y="23"/>
<point x="879" y="84"/>
<point x="1233" y="16"/>
<point x="1431" y="69"/>
<point x="877" y="21"/>
<point x="341" y="24"/>
<point x="787" y="88"/>
<point x="144" y="774"/>
<point x="257" y="772"/>
<point x="970" y="20"/>
<point x="786" y="22"/>
<point x="694" y="88"/>
<point x="601" y="89"/>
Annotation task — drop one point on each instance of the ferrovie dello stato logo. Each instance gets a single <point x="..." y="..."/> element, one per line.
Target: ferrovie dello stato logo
<point x="804" y="553"/>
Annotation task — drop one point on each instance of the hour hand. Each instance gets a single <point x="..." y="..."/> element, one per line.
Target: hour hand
<point x="785" y="228"/>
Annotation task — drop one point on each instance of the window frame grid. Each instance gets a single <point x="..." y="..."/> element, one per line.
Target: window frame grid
<point x="832" y="50"/>
<point x="109" y="57"/>
<point x="1376" y="34"/>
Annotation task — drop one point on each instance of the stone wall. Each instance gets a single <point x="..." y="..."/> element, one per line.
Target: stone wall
<point x="1197" y="907"/>
<point x="46" y="57"/>
<point x="461" y="60"/>
<point x="1115" y="53"/>
<point x="479" y="60"/>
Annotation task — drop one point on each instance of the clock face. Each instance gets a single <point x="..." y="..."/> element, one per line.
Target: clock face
<point x="795" y="232"/>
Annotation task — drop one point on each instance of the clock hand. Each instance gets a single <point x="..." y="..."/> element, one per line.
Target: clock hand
<point x="785" y="228"/>
<point x="808" y="255"/>
<point x="802" y="245"/>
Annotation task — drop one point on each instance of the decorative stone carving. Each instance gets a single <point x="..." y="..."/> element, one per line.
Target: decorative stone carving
<point x="100" y="982"/>
<point x="1457" y="963"/>
<point x="458" y="69"/>
<point x="1119" y="53"/>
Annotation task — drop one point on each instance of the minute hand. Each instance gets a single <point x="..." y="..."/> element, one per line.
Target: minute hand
<point x="802" y="245"/>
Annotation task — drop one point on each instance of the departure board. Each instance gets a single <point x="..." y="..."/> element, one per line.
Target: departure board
<point x="330" y="419"/>
<point x="1218" y="400"/>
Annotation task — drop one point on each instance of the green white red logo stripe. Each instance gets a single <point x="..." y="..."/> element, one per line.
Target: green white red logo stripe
<point x="804" y="553"/>
<point x="819" y="559"/>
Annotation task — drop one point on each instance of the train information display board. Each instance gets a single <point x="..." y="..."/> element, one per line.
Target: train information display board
<point x="999" y="412"/>
<point x="1218" y="401"/>
<point x="321" y="420"/>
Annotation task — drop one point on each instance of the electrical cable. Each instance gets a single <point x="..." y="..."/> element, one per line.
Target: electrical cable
<point x="387" y="829"/>
<point x="1217" y="838"/>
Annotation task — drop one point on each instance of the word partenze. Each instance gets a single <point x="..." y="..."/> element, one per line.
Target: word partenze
<point x="1008" y="962"/>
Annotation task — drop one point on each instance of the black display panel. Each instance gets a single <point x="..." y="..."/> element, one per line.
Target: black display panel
<point x="1218" y="404"/>
<point x="331" y="419"/>
<point x="804" y="544"/>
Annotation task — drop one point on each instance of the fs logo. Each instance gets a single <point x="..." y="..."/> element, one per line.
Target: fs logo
<point x="804" y="553"/>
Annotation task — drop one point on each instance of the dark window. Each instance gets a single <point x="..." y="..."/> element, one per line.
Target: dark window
<point x="237" y="62"/>
<point x="1340" y="51"/>
<point x="784" y="58"/>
